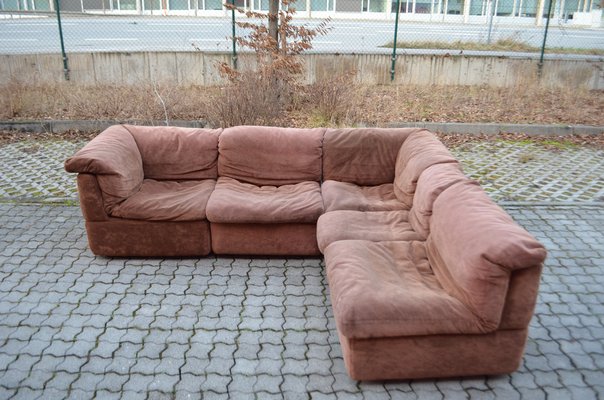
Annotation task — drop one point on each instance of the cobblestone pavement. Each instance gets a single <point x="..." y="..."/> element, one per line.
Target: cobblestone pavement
<point x="73" y="325"/>
<point x="509" y="171"/>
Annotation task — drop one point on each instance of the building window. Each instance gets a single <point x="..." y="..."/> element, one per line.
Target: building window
<point x="179" y="4"/>
<point x="321" y="5"/>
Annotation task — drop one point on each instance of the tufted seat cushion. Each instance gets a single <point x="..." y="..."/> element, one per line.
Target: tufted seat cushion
<point x="349" y="196"/>
<point x="238" y="202"/>
<point x="356" y="225"/>
<point x="167" y="201"/>
<point x="387" y="289"/>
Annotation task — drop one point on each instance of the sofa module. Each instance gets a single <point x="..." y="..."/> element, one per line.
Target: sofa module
<point x="143" y="190"/>
<point x="268" y="196"/>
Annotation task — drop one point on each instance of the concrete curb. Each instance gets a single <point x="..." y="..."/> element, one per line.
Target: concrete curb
<point x="494" y="129"/>
<point x="61" y="126"/>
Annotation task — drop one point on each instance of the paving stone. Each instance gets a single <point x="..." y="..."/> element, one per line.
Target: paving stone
<point x="215" y="383"/>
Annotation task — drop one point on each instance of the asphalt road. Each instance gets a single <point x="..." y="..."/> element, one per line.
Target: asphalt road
<point x="135" y="33"/>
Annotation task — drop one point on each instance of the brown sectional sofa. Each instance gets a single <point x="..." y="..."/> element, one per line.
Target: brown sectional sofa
<point x="428" y="277"/>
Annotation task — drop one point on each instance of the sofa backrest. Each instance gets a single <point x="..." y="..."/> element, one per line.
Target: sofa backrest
<point x="270" y="156"/>
<point x="114" y="158"/>
<point x="431" y="183"/>
<point x="363" y="156"/>
<point x="474" y="247"/>
<point x="419" y="151"/>
<point x="172" y="153"/>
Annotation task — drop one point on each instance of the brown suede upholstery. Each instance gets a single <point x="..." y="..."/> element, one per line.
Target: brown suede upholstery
<point x="115" y="160"/>
<point x="350" y="196"/>
<point x="387" y="289"/>
<point x="265" y="239"/>
<point x="428" y="277"/>
<point x="433" y="356"/>
<point x="473" y="248"/>
<point x="364" y="156"/>
<point x="236" y="202"/>
<point x="421" y="150"/>
<point x="167" y="201"/>
<point x="430" y="184"/>
<point x="119" y="237"/>
<point x="521" y="298"/>
<point x="355" y="225"/>
<point x="171" y="153"/>
<point x="270" y="156"/>
<point x="91" y="198"/>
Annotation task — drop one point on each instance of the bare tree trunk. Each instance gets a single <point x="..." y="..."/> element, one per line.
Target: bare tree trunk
<point x="273" y="21"/>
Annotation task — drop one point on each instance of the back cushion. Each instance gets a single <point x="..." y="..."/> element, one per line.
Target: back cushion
<point x="421" y="150"/>
<point x="473" y="248"/>
<point x="430" y="185"/>
<point x="269" y="155"/>
<point x="171" y="153"/>
<point x="114" y="158"/>
<point x="362" y="156"/>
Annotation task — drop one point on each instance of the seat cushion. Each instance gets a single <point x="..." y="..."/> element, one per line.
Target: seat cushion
<point x="356" y="225"/>
<point x="349" y="196"/>
<point x="419" y="151"/>
<point x="430" y="185"/>
<point x="238" y="202"/>
<point x="269" y="155"/>
<point x="174" y="153"/>
<point x="167" y="201"/>
<point x="473" y="248"/>
<point x="387" y="289"/>
<point x="364" y="156"/>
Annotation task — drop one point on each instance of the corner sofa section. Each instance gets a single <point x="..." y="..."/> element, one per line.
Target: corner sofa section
<point x="428" y="277"/>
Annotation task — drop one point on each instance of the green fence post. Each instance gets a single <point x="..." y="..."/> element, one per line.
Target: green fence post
<point x="549" y="16"/>
<point x="398" y="8"/>
<point x="234" y="40"/>
<point x="65" y="61"/>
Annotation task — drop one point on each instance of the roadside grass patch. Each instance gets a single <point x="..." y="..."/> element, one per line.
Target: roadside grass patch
<point x="507" y="44"/>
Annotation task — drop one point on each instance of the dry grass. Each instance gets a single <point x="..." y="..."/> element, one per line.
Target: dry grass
<point x="508" y="44"/>
<point x="66" y="101"/>
<point x="332" y="103"/>
<point x="529" y="105"/>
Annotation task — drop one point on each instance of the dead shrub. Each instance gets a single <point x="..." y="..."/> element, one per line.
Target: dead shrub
<point x="333" y="101"/>
<point x="264" y="95"/>
<point x="250" y="99"/>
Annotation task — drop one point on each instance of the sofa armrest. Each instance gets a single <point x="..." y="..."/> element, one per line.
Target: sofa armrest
<point x="475" y="248"/>
<point x="115" y="159"/>
<point x="91" y="198"/>
<point x="521" y="298"/>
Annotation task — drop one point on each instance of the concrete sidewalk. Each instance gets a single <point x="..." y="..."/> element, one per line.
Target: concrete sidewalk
<point x="73" y="325"/>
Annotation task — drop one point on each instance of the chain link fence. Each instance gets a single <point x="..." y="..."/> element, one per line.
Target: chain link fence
<point x="493" y="27"/>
